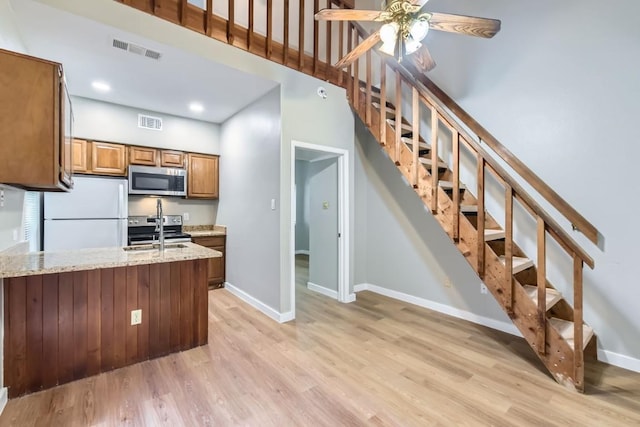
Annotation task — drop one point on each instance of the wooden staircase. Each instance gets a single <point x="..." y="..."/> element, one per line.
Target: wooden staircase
<point x="394" y="115"/>
<point x="540" y="312"/>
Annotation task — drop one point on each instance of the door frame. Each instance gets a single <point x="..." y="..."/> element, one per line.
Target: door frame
<point x="343" y="218"/>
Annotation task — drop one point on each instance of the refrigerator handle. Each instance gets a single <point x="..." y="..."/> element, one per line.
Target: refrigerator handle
<point x="120" y="200"/>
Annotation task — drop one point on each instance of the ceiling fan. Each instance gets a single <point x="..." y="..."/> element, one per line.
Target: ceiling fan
<point x="405" y="26"/>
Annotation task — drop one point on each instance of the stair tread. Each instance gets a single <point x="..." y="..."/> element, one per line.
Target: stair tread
<point x="427" y="162"/>
<point x="422" y="145"/>
<point x="448" y="185"/>
<point x="519" y="263"/>
<point x="389" y="109"/>
<point x="552" y="296"/>
<point x="491" y="234"/>
<point x="565" y="328"/>
<point x="404" y="126"/>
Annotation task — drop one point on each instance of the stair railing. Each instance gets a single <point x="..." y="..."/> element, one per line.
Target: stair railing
<point x="200" y="16"/>
<point x="441" y="114"/>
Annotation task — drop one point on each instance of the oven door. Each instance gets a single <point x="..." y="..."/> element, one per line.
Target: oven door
<point x="157" y="181"/>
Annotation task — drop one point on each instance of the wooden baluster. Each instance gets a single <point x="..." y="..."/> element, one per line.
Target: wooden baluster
<point x="349" y="48"/>
<point x="157" y="6"/>
<point x="481" y="216"/>
<point x="250" y="29"/>
<point x="340" y="49"/>
<point x="455" y="139"/>
<point x="367" y="114"/>
<point x="285" y="41"/>
<point x="383" y="102"/>
<point x="230" y="22"/>
<point x="301" y="36"/>
<point x="183" y="12"/>
<point x="415" y="109"/>
<point x="209" y="21"/>
<point x="542" y="286"/>
<point x="316" y="36"/>
<point x="578" y="338"/>
<point x="434" y="160"/>
<point x="398" y="131"/>
<point x="508" y="249"/>
<point x="356" y="77"/>
<point x="269" y="45"/>
<point x="327" y="70"/>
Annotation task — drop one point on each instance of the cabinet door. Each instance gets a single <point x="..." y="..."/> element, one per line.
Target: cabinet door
<point x="108" y="159"/>
<point x="65" y="128"/>
<point x="202" y="176"/>
<point x="171" y="159"/>
<point x="143" y="156"/>
<point x="216" y="267"/>
<point x="80" y="157"/>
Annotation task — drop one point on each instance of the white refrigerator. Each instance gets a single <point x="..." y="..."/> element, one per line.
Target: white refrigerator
<point x="92" y="215"/>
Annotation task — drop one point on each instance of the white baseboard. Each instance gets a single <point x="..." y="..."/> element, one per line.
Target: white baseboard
<point x="619" y="360"/>
<point x="3" y="398"/>
<point x="605" y="356"/>
<point x="440" y="308"/>
<point x="302" y="252"/>
<point x="350" y="298"/>
<point x="322" y="290"/>
<point x="259" y="305"/>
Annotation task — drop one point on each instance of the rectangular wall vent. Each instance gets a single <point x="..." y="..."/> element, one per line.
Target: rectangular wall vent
<point x="136" y="49"/>
<point x="149" y="122"/>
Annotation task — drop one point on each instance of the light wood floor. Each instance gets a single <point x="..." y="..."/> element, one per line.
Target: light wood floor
<point x="373" y="362"/>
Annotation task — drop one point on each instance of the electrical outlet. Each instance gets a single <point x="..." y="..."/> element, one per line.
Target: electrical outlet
<point x="447" y="282"/>
<point x="483" y="288"/>
<point x="185" y="216"/>
<point x="136" y="317"/>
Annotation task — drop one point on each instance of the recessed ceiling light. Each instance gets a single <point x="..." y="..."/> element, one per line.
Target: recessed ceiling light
<point x="101" y="86"/>
<point x="196" y="107"/>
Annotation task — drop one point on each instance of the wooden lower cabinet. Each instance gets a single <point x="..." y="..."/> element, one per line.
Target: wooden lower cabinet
<point x="66" y="326"/>
<point x="216" y="266"/>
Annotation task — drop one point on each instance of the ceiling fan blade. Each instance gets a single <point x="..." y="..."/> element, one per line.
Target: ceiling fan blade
<point x="359" y="50"/>
<point x="422" y="60"/>
<point x="470" y="25"/>
<point x="346" y="15"/>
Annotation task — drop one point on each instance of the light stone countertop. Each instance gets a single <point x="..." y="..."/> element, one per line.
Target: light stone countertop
<point x="35" y="263"/>
<point x="207" y="233"/>
<point x="205" y="230"/>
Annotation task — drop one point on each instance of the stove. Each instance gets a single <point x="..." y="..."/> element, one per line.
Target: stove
<point x="142" y="230"/>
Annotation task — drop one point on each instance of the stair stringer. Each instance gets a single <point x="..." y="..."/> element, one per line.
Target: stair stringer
<point x="558" y="356"/>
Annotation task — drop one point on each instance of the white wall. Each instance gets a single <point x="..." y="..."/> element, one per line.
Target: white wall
<point x="323" y="223"/>
<point x="104" y="121"/>
<point x="249" y="180"/>
<point x="302" y="206"/>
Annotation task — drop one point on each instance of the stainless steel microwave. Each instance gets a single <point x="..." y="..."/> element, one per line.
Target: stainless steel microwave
<point x="157" y="181"/>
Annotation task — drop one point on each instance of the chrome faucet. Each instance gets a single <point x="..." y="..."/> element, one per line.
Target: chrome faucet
<point x="160" y="224"/>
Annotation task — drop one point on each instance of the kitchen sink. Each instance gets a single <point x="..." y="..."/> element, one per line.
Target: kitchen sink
<point x="154" y="247"/>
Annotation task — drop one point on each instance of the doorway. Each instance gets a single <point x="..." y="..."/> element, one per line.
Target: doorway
<point x="323" y="253"/>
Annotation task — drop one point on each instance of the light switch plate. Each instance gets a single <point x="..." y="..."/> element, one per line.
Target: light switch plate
<point x="325" y="205"/>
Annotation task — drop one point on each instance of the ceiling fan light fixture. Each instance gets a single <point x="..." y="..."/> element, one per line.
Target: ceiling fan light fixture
<point x="419" y="29"/>
<point x="389" y="37"/>
<point x="411" y="45"/>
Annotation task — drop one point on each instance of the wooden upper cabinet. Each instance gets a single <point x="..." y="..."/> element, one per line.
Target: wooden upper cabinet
<point x="143" y="156"/>
<point x="35" y="124"/>
<point x="202" y="176"/>
<point x="80" y="156"/>
<point x="108" y="159"/>
<point x="171" y="159"/>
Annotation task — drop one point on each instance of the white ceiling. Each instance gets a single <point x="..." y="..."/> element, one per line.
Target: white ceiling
<point x="168" y="86"/>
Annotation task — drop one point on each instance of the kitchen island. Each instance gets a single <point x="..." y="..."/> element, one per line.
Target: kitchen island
<point x="69" y="314"/>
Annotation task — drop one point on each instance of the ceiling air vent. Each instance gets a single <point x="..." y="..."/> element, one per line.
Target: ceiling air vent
<point x="149" y="122"/>
<point x="137" y="49"/>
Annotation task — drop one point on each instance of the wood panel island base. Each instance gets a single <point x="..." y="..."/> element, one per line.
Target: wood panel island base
<point x="66" y="325"/>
